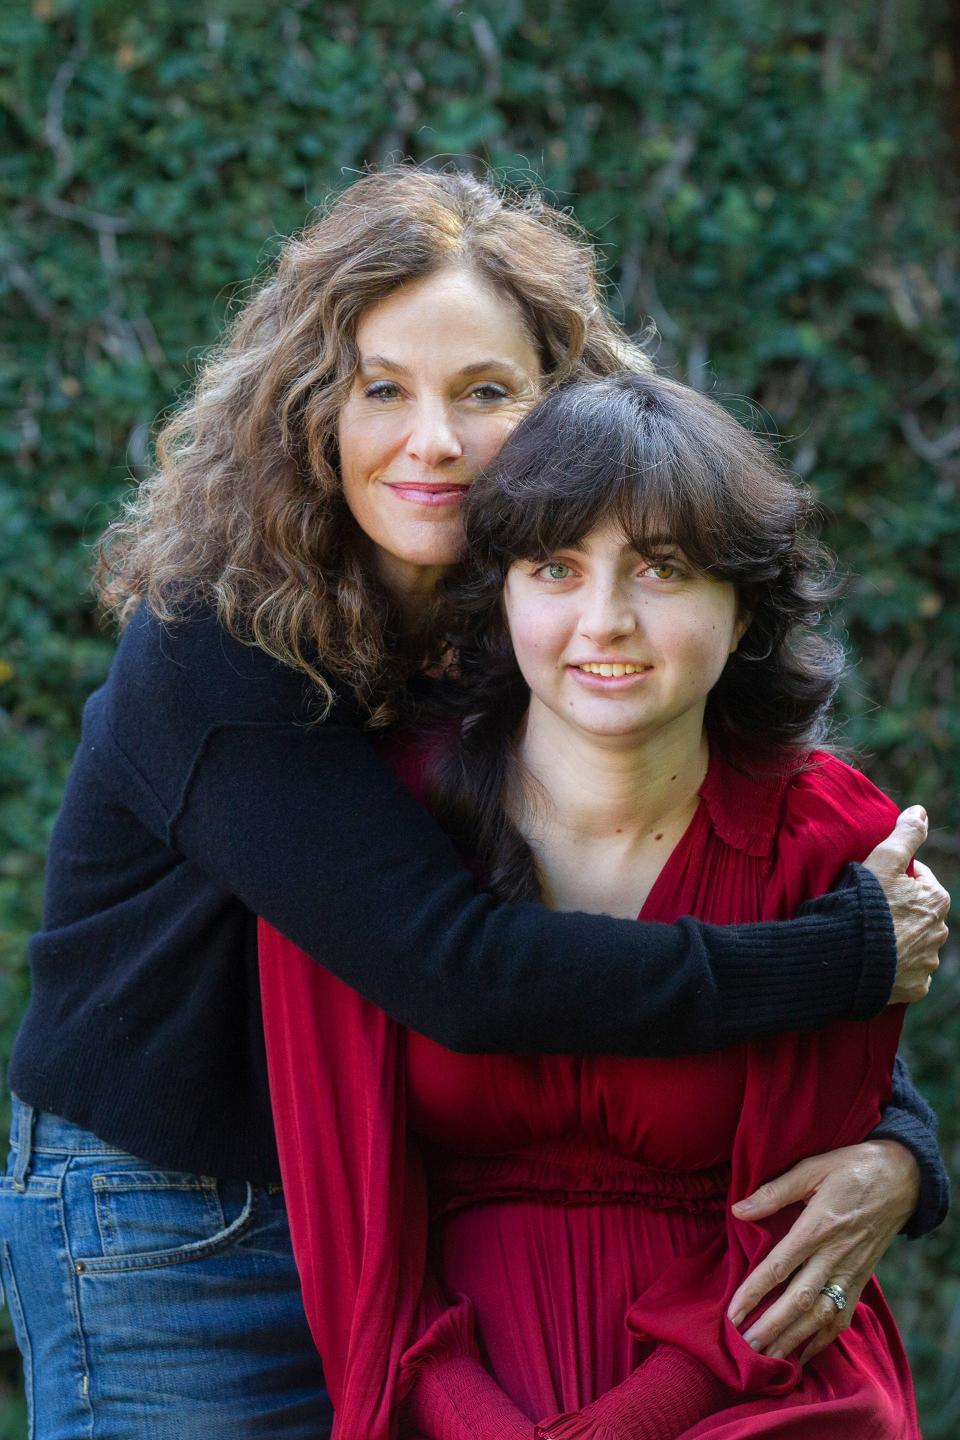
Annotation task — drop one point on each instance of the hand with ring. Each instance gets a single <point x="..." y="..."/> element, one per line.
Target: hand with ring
<point x="855" y="1200"/>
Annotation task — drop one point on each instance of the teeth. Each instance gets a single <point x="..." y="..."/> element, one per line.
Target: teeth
<point x="593" y="669"/>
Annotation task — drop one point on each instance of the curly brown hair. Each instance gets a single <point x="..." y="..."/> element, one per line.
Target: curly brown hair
<point x="245" y="511"/>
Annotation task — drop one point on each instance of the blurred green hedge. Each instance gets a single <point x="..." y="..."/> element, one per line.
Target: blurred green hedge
<point x="775" y="186"/>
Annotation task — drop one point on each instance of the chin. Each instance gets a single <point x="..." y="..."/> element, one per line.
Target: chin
<point x="438" y="550"/>
<point x="612" y="729"/>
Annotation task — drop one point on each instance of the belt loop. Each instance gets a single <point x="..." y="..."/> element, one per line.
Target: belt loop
<point x="26" y="1116"/>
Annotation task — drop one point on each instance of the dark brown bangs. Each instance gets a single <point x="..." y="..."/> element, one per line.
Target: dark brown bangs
<point x="565" y="503"/>
<point x="670" y="467"/>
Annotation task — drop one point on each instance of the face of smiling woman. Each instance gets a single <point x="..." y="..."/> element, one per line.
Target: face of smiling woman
<point x="446" y="370"/>
<point x="617" y="646"/>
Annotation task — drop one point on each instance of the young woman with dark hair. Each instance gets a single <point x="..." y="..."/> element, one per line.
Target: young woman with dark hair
<point x="270" y="619"/>
<point x="545" y="1244"/>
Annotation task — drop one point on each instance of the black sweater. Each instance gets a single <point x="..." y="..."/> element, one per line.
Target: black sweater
<point x="205" y="792"/>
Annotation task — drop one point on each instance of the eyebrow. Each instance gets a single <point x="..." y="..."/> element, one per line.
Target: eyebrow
<point x="659" y="547"/>
<point x="654" y="542"/>
<point x="477" y="367"/>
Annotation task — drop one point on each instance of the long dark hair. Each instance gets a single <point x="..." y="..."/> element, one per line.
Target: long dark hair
<point x="667" y="465"/>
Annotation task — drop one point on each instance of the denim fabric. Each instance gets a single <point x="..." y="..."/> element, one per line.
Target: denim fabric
<point x="149" y="1304"/>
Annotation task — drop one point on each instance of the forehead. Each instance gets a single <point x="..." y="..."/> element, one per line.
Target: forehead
<point x="453" y="310"/>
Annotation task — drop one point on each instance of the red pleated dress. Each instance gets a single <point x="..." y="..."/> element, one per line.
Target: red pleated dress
<point x="541" y="1226"/>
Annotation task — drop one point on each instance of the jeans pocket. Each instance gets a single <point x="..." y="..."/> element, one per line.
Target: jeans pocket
<point x="149" y="1218"/>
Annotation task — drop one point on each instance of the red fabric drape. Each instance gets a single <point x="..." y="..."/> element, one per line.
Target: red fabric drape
<point x="357" y="1190"/>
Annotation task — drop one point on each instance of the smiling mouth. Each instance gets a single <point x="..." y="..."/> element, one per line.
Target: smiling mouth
<point x="427" y="493"/>
<point x="613" y="669"/>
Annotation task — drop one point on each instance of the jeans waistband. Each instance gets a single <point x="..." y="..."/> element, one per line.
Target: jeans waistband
<point x="33" y="1130"/>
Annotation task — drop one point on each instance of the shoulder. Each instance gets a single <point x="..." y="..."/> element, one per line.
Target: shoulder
<point x="195" y="667"/>
<point x="830" y="796"/>
<point x="832" y="815"/>
<point x="174" y="685"/>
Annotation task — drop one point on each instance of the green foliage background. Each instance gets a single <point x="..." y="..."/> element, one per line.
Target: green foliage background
<point x="774" y="185"/>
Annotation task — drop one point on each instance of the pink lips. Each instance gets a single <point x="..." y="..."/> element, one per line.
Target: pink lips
<point x="430" y="494"/>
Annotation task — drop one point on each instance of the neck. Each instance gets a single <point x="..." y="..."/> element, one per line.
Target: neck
<point x="411" y="586"/>
<point x="597" y="786"/>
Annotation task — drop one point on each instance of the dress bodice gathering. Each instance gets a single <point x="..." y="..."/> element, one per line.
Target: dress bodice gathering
<point x="647" y="1111"/>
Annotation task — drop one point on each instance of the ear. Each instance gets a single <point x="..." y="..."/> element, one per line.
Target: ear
<point x="741" y="625"/>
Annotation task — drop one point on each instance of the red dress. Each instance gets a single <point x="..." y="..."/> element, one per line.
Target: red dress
<point x="553" y="1222"/>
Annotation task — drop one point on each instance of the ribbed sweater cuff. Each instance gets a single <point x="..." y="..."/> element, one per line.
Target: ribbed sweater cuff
<point x="662" y="1399"/>
<point x="879" y="944"/>
<point x="836" y="960"/>
<point x="934" y="1201"/>
<point x="456" y="1399"/>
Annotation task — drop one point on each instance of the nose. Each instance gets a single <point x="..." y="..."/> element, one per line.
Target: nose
<point x="433" y="437"/>
<point x="607" y="614"/>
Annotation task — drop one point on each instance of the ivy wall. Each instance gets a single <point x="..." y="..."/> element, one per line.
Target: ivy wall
<point x="774" y="186"/>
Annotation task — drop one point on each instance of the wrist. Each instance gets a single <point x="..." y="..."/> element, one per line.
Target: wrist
<point x="897" y="1172"/>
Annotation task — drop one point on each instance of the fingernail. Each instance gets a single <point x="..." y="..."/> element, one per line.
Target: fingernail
<point x="736" y="1317"/>
<point x="744" y="1207"/>
<point x="751" y="1337"/>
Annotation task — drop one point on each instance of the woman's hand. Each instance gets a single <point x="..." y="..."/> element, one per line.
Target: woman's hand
<point x="918" y="904"/>
<point x="855" y="1201"/>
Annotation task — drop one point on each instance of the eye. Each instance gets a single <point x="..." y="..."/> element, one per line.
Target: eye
<point x="488" y="393"/>
<point x="555" y="570"/>
<point x="382" y="390"/>
<point x="663" y="569"/>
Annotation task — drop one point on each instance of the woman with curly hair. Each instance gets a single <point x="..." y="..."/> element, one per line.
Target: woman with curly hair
<point x="544" y="1244"/>
<point x="275" y="582"/>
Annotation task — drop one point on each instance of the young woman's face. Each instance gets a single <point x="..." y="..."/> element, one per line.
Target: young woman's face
<point x="446" y="369"/>
<point x="618" y="645"/>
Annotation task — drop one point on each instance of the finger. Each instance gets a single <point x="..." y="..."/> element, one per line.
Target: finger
<point x="821" y="1340"/>
<point x="802" y="1311"/>
<point x="799" y="1310"/>
<point x="791" y="1188"/>
<point x="792" y="1252"/>
<point x="823" y="1318"/>
<point x="939" y="897"/>
<point x="893" y="855"/>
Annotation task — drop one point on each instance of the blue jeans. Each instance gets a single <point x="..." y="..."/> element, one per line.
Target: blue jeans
<point x="149" y="1304"/>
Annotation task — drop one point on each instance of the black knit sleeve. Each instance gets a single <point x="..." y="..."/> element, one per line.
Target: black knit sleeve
<point x="307" y="826"/>
<point x="910" y="1120"/>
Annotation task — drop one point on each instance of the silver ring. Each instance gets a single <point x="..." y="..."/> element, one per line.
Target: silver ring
<point x="838" y="1296"/>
